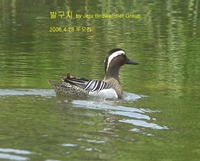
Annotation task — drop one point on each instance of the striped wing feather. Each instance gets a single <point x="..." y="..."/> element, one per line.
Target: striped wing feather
<point x="89" y="85"/>
<point x="96" y="85"/>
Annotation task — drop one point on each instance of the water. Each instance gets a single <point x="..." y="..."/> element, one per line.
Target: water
<point x="158" y="119"/>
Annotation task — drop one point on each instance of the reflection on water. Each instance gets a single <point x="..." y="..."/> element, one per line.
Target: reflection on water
<point x="138" y="117"/>
<point x="69" y="145"/>
<point x="141" y="114"/>
<point x="14" y="154"/>
<point x="22" y="92"/>
<point x="165" y="42"/>
<point x="142" y="123"/>
<point x="50" y="92"/>
<point x="75" y="122"/>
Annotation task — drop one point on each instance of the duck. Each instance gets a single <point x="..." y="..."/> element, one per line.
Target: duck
<point x="108" y="88"/>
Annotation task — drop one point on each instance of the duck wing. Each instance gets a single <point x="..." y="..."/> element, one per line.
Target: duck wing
<point x="86" y="84"/>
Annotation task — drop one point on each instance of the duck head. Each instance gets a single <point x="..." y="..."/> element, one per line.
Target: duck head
<point x="114" y="60"/>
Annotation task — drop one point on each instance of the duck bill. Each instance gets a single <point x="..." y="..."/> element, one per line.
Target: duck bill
<point x="128" y="61"/>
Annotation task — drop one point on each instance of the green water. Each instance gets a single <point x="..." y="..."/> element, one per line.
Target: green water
<point x="163" y="37"/>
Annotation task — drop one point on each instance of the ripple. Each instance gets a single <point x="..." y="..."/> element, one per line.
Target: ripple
<point x="12" y="157"/>
<point x="96" y="141"/>
<point x="131" y="115"/>
<point x="50" y="93"/>
<point x="5" y="154"/>
<point x="131" y="96"/>
<point x="22" y="92"/>
<point x="16" y="151"/>
<point x="143" y="124"/>
<point x="69" y="145"/>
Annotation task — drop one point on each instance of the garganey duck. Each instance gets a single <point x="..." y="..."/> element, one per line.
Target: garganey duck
<point x="109" y="87"/>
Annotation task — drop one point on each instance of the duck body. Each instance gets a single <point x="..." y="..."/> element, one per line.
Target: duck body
<point x="109" y="87"/>
<point x="81" y="87"/>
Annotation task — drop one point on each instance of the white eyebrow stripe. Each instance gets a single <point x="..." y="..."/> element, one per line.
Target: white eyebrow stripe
<point x="112" y="56"/>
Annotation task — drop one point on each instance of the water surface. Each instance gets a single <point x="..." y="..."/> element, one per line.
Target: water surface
<point x="157" y="120"/>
